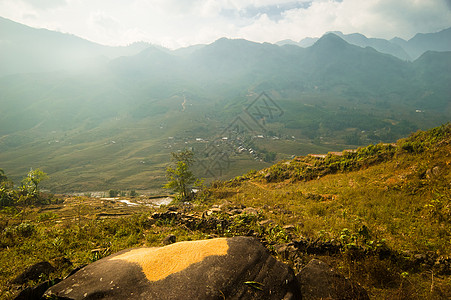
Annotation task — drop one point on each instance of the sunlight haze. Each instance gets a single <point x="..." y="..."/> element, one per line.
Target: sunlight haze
<point x="180" y="23"/>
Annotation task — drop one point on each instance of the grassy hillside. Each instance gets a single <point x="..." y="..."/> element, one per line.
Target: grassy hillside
<point x="380" y="215"/>
<point x="400" y="192"/>
<point x="389" y="203"/>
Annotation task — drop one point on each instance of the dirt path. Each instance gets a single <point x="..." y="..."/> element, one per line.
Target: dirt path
<point x="184" y="103"/>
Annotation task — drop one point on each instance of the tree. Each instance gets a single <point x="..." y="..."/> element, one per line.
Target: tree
<point x="179" y="176"/>
<point x="31" y="182"/>
<point x="6" y="186"/>
<point x="3" y="176"/>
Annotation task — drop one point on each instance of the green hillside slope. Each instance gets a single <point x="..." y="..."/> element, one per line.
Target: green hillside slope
<point x="385" y="208"/>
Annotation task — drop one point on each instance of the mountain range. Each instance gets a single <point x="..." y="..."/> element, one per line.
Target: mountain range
<point x="98" y="117"/>
<point x="398" y="47"/>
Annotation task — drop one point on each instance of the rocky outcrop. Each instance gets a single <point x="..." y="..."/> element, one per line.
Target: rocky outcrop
<point x="225" y="268"/>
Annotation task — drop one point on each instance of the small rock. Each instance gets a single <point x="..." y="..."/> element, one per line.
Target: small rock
<point x="420" y="257"/>
<point x="236" y="211"/>
<point x="173" y="208"/>
<point x="34" y="272"/>
<point x="289" y="227"/>
<point x="281" y="248"/>
<point x="436" y="170"/>
<point x="211" y="211"/>
<point x="266" y="222"/>
<point x="287" y="251"/>
<point x="406" y="253"/>
<point x="170" y="239"/>
<point x="250" y="211"/>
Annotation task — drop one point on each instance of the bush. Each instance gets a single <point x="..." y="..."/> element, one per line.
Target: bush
<point x="113" y="193"/>
<point x="5" y="197"/>
<point x="25" y="229"/>
<point x="413" y="147"/>
<point x="46" y="216"/>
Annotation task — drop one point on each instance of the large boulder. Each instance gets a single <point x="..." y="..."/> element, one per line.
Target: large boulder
<point x="224" y="268"/>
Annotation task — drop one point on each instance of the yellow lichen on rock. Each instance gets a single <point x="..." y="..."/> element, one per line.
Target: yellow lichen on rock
<point x="158" y="263"/>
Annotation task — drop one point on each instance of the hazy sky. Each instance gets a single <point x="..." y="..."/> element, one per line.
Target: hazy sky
<point x="177" y="23"/>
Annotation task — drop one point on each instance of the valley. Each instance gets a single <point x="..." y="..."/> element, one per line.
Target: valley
<point x="335" y="148"/>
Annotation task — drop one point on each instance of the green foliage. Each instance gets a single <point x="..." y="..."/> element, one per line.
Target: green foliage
<point x="241" y="224"/>
<point x="46" y="216"/>
<point x="6" y="194"/>
<point x="307" y="168"/>
<point x="412" y="147"/>
<point x="181" y="177"/>
<point x="6" y="190"/>
<point x="27" y="194"/>
<point x="113" y="193"/>
<point x="25" y="229"/>
<point x="424" y="140"/>
<point x="3" y="177"/>
<point x="439" y="208"/>
<point x="30" y="184"/>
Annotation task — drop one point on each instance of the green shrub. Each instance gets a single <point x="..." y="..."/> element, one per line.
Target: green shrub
<point x="46" y="216"/>
<point x="413" y="146"/>
<point x="113" y="193"/>
<point x="25" y="229"/>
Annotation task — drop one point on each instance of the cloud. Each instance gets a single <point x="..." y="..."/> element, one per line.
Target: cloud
<point x="272" y="11"/>
<point x="45" y="4"/>
<point x="408" y="17"/>
<point x="177" y="23"/>
<point x="374" y="18"/>
<point x="104" y="21"/>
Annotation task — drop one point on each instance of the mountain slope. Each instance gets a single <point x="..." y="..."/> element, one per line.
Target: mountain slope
<point x="25" y="49"/>
<point x="422" y="42"/>
<point x="381" y="45"/>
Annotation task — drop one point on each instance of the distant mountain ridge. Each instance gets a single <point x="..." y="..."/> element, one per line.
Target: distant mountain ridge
<point x="422" y="42"/>
<point x="400" y="48"/>
<point x="25" y="49"/>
